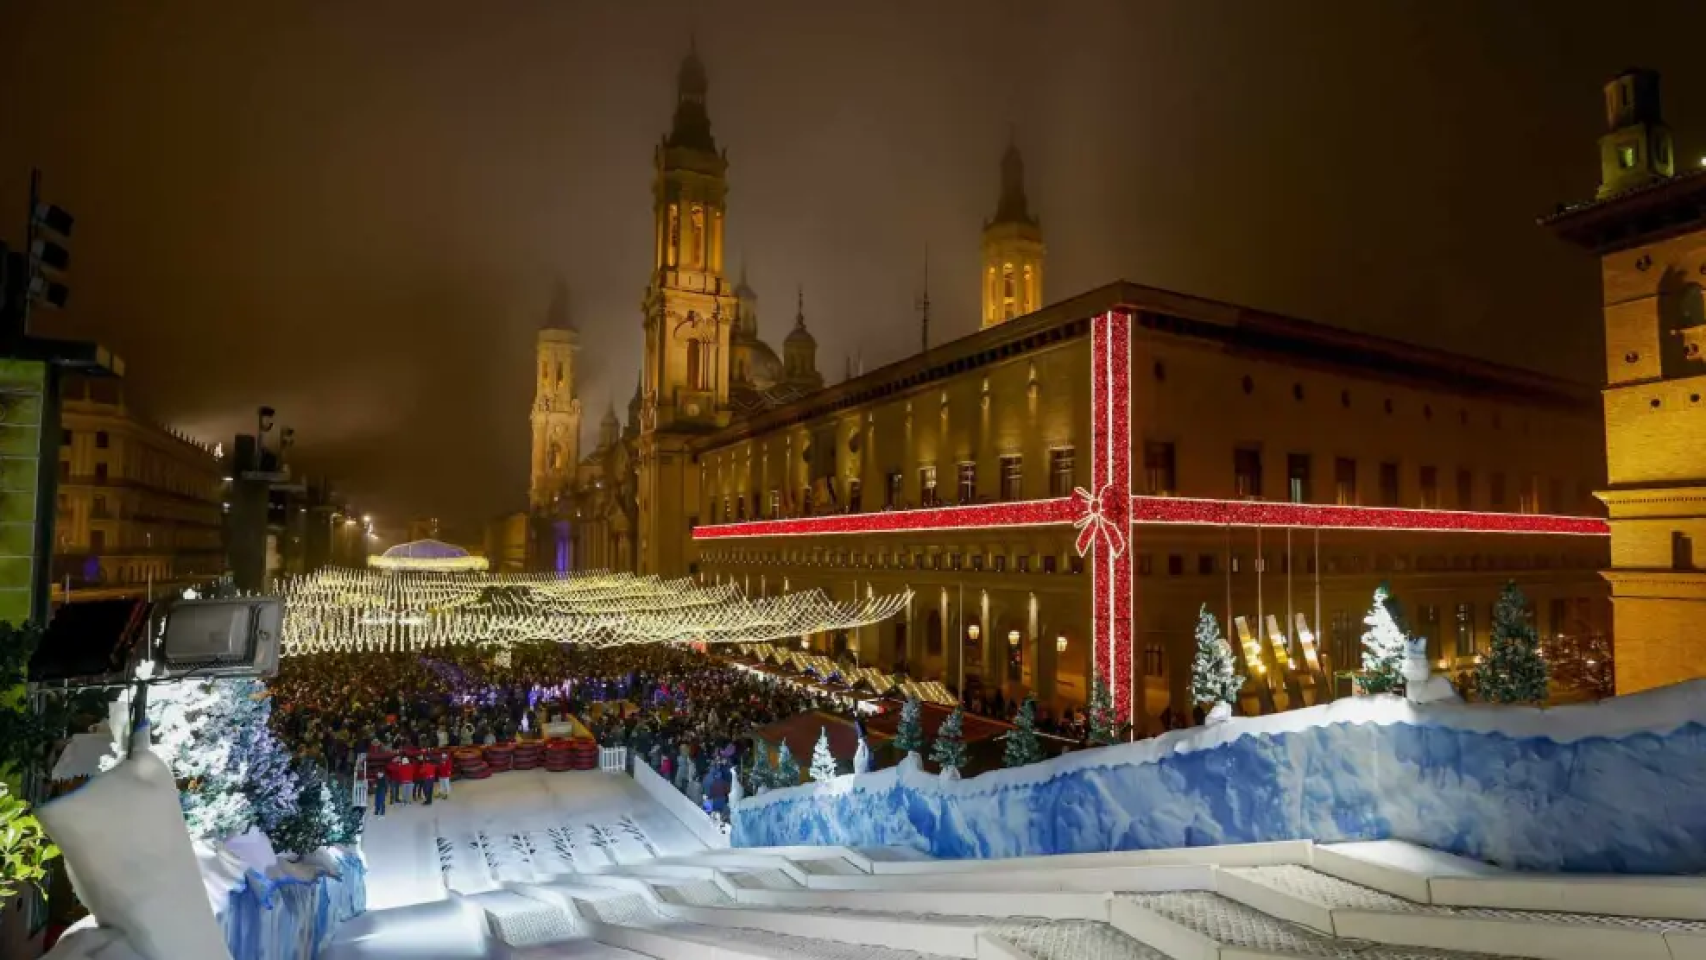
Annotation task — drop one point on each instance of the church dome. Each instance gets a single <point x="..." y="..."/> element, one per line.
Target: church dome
<point x="800" y="337"/>
<point x="756" y="363"/>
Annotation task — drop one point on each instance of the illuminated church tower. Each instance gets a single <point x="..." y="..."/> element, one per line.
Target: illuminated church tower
<point x="556" y="416"/>
<point x="1012" y="249"/>
<point x="690" y="307"/>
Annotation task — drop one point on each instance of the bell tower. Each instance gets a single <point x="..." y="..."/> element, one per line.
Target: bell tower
<point x="1636" y="148"/>
<point x="690" y="309"/>
<point x="1012" y="249"/>
<point x="556" y="416"/>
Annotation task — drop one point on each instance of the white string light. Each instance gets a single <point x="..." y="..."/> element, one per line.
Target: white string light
<point x="338" y="610"/>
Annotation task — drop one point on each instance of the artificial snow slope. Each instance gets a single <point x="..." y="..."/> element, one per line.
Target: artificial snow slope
<point x="1371" y="901"/>
<point x="1614" y="786"/>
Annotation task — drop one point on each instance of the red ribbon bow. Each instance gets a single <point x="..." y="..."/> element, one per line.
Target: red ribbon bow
<point x="1093" y="523"/>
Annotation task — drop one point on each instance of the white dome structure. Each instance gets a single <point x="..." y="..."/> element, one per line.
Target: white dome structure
<point x="429" y="555"/>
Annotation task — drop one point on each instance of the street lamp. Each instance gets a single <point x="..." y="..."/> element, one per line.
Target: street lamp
<point x="973" y="632"/>
<point x="1060" y="644"/>
<point x="1013" y="638"/>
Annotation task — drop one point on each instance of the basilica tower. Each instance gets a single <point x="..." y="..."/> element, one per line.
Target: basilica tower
<point x="556" y="416"/>
<point x="1012" y="249"/>
<point x="690" y="308"/>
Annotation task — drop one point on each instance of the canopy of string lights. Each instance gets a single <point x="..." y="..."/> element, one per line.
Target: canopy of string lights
<point x="350" y="610"/>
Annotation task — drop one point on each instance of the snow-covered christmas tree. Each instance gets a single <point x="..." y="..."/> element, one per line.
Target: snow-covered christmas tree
<point x="1104" y="726"/>
<point x="949" y="750"/>
<point x="316" y="818"/>
<point x="214" y="736"/>
<point x="909" y="735"/>
<point x="1383" y="646"/>
<point x="1213" y="680"/>
<point x="1513" y="671"/>
<point x="823" y="761"/>
<point x="1023" y="747"/>
<point x="787" y="769"/>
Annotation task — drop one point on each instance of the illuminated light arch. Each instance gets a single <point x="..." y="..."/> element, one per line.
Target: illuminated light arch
<point x="1105" y="515"/>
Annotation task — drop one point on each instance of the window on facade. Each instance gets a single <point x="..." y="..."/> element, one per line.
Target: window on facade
<point x="1060" y="465"/>
<point x="1389" y="484"/>
<point x="1205" y="564"/>
<point x="1465" y="630"/>
<point x="1175" y="565"/>
<point x="892" y="496"/>
<point x="559" y="373"/>
<point x="1528" y="498"/>
<point x="100" y="471"/>
<point x="97" y="541"/>
<point x="1030" y="299"/>
<point x="1009" y="306"/>
<point x="1497" y="494"/>
<point x="1297" y="477"/>
<point x="102" y="441"/>
<point x="1145" y="565"/>
<point x="1158" y="468"/>
<point x="1000" y="562"/>
<point x="1626" y="156"/>
<point x="65" y="437"/>
<point x="854" y="494"/>
<point x="1681" y="551"/>
<point x="1345" y="482"/>
<point x="1430" y="487"/>
<point x="1247" y="472"/>
<point x="1024" y="563"/>
<point x="775" y="504"/>
<point x="1427" y="625"/>
<point x="100" y="506"/>
<point x="927" y="486"/>
<point x="1558" y="615"/>
<point x="1012" y="478"/>
<point x="1344" y="640"/>
<point x="1051" y="563"/>
<point x="1154" y="660"/>
<point x="968" y="482"/>
<point x="805" y="501"/>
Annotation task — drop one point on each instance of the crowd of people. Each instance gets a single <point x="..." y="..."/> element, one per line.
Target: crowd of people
<point x="687" y="715"/>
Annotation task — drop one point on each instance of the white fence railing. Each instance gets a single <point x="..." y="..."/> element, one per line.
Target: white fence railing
<point x="613" y="759"/>
<point x="358" y="789"/>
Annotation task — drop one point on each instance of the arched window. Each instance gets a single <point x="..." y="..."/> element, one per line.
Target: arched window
<point x="1009" y="308"/>
<point x="695" y="365"/>
<point x="1030" y="288"/>
<point x="698" y="228"/>
<point x="674" y="241"/>
<point x="1682" y="308"/>
<point x="559" y="373"/>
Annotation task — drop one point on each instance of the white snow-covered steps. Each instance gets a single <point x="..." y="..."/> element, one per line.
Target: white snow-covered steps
<point x="636" y="924"/>
<point x="1340" y="908"/>
<point x="1046" y="905"/>
<point x="995" y="879"/>
<point x="952" y="936"/>
<point x="1229" y="855"/>
<point x="1207" y="926"/>
<point x="1065" y="940"/>
<point x="523" y="921"/>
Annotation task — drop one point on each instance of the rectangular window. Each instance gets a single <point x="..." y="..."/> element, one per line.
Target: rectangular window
<point x="1465" y="489"/>
<point x="65" y="437"/>
<point x="1681" y="551"/>
<point x="1024" y="563"/>
<point x="1465" y="630"/>
<point x="1145" y="565"/>
<point x="1175" y="565"/>
<point x="892" y="497"/>
<point x="101" y="440"/>
<point x="1559" y="614"/>
<point x="1012" y="478"/>
<point x="927" y="486"/>
<point x="1345" y="482"/>
<point x="1528" y="498"/>
<point x="775" y="504"/>
<point x="1060" y="465"/>
<point x="1389" y="484"/>
<point x="1158" y="468"/>
<point x="1427" y="626"/>
<point x="1430" y="487"/>
<point x="968" y="483"/>
<point x="1205" y="564"/>
<point x="855" y="490"/>
<point x="1297" y="477"/>
<point x="97" y="541"/>
<point x="1247" y="472"/>
<point x="1498" y="491"/>
<point x="1051" y="563"/>
<point x="1626" y="157"/>
<point x="100" y="507"/>
<point x="100" y="471"/>
<point x="805" y="501"/>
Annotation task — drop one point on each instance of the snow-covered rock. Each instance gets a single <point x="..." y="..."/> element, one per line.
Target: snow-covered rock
<point x="1613" y="786"/>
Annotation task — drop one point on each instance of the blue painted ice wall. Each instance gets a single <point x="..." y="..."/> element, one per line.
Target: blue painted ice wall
<point x="1615" y="786"/>
<point x="289" y="919"/>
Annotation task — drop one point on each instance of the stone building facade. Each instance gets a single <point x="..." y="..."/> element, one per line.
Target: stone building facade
<point x="1648" y="227"/>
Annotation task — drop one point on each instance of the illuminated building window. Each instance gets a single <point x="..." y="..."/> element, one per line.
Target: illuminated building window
<point x="1012" y="478"/>
<point x="698" y="228"/>
<point x="1345" y="482"/>
<point x="1430" y="487"/>
<point x="1297" y="477"/>
<point x="775" y="504"/>
<point x="968" y="482"/>
<point x="1389" y="484"/>
<point x="1626" y="157"/>
<point x="927" y="486"/>
<point x="1060" y="465"/>
<point x="1528" y="498"/>
<point x="1030" y="288"/>
<point x="1465" y="629"/>
<point x="1009" y="309"/>
<point x="1247" y="472"/>
<point x="1158" y="468"/>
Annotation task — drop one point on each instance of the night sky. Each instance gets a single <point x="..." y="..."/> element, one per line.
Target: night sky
<point x="355" y="212"/>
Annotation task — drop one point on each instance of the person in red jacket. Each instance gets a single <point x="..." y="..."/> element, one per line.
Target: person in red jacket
<point x="426" y="773"/>
<point x="394" y="773"/>
<point x="405" y="780"/>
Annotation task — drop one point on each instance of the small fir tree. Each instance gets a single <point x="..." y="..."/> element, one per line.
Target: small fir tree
<point x="347" y="819"/>
<point x="315" y="820"/>
<point x="1383" y="646"/>
<point x="949" y="750"/>
<point x="823" y="761"/>
<point x="1513" y="671"/>
<point x="1022" y="744"/>
<point x="1213" y="679"/>
<point x="1104" y="729"/>
<point x="909" y="736"/>
<point x="787" y="769"/>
